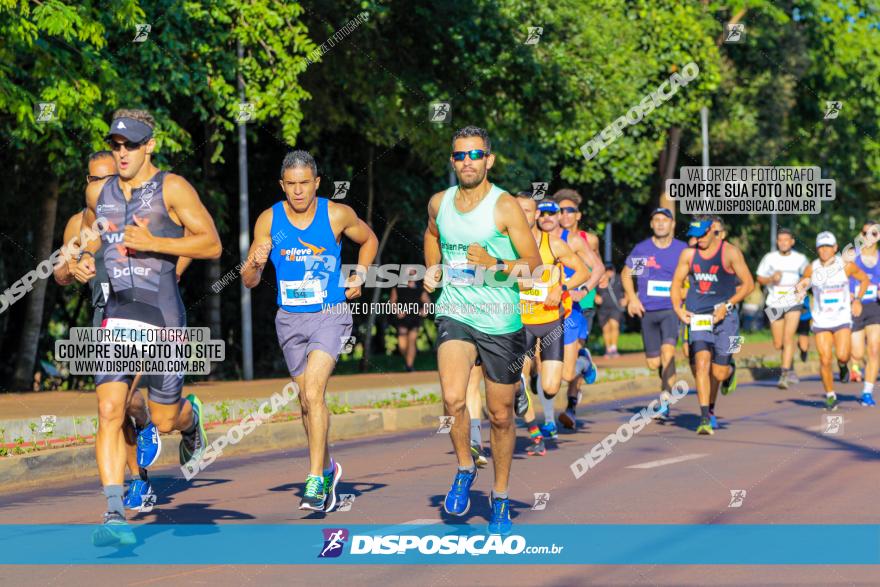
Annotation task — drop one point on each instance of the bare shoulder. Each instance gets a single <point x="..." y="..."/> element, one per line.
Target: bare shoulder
<point x="174" y="183"/>
<point x="340" y="214"/>
<point x="434" y="204"/>
<point x="687" y="254"/>
<point x="93" y="191"/>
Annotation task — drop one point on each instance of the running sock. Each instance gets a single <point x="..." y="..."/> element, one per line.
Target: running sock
<point x="328" y="472"/>
<point x="534" y="431"/>
<point x="143" y="474"/>
<point x="572" y="403"/>
<point x="830" y="394"/>
<point x="113" y="493"/>
<point x="712" y="407"/>
<point x="476" y="432"/>
<point x="704" y="412"/>
<point x="499" y="495"/>
<point x="869" y="388"/>
<point x="470" y="469"/>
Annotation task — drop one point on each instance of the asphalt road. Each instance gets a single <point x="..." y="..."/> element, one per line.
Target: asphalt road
<point x="771" y="443"/>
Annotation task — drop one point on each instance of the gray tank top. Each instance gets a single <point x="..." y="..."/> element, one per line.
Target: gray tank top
<point x="136" y="276"/>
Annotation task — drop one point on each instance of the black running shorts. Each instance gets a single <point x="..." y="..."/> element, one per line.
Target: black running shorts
<point x="552" y="340"/>
<point x="500" y="354"/>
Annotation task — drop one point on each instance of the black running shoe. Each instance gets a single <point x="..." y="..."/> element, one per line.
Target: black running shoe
<point x="804" y="356"/>
<point x="521" y="399"/>
<point x="844" y="372"/>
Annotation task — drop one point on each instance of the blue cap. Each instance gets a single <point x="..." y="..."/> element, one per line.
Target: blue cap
<point x="665" y="211"/>
<point x="548" y="207"/>
<point x="699" y="228"/>
<point x="133" y="130"/>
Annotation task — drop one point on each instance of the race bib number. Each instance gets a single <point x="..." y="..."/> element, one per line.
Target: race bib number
<point x="659" y="289"/>
<point x="871" y="292"/>
<point x="536" y="294"/>
<point x="132" y="332"/>
<point x="306" y="292"/>
<point x="461" y="273"/>
<point x="828" y="299"/>
<point x="701" y="322"/>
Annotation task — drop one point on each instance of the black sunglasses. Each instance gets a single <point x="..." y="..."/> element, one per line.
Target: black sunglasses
<point x="569" y="210"/>
<point x="129" y="145"/>
<point x="547" y="213"/>
<point x="92" y="178"/>
<point x="873" y="233"/>
<point x="475" y="154"/>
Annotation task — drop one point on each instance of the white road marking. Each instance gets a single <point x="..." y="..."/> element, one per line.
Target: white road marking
<point x="422" y="522"/>
<point x="664" y="462"/>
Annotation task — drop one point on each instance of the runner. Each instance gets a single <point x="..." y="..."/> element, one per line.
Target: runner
<point x="577" y="329"/>
<point x="143" y="443"/>
<point x="154" y="218"/>
<point x="653" y="262"/>
<point x="477" y="227"/>
<point x="408" y="322"/>
<point x="832" y="311"/>
<point x="713" y="268"/>
<point x="780" y="271"/>
<point x="312" y="322"/>
<point x="866" y="326"/>
<point x="803" y="330"/>
<point x="546" y="303"/>
<point x="611" y="300"/>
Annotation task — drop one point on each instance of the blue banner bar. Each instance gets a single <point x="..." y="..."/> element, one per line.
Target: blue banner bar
<point x="612" y="544"/>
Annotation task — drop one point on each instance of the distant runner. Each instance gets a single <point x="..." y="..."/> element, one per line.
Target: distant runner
<point x="866" y="326"/>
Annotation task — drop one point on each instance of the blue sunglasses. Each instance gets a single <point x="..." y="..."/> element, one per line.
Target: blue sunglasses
<point x="475" y="155"/>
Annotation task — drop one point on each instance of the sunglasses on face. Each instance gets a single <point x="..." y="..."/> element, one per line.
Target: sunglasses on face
<point x="92" y="178"/>
<point x="569" y="210"/>
<point x="475" y="154"/>
<point x="546" y="213"/>
<point x="873" y="233"/>
<point x="129" y="145"/>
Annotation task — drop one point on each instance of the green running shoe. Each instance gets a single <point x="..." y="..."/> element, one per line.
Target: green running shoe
<point x="330" y="483"/>
<point x="705" y="427"/>
<point x="314" y="497"/>
<point x="831" y="403"/>
<point x="192" y="445"/>
<point x="728" y="386"/>
<point x="115" y="531"/>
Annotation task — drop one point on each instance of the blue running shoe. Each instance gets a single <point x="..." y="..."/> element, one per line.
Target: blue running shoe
<point x="549" y="430"/>
<point x="458" y="500"/>
<point x="867" y="400"/>
<point x="140" y="496"/>
<point x="149" y="446"/>
<point x="589" y="371"/>
<point x="663" y="412"/>
<point x="713" y="422"/>
<point x="192" y="445"/>
<point x="500" y="522"/>
<point x="115" y="531"/>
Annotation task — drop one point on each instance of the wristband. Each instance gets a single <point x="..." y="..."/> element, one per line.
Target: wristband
<point x="564" y="287"/>
<point x="499" y="261"/>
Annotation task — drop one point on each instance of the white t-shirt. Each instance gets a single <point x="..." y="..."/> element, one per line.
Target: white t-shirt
<point x="791" y="266"/>
<point x="830" y="306"/>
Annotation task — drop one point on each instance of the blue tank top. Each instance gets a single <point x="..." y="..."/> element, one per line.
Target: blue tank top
<point x="873" y="274"/>
<point x="710" y="283"/>
<point x="307" y="261"/>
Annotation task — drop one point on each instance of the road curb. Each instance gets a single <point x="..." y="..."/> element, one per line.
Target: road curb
<point x="64" y="464"/>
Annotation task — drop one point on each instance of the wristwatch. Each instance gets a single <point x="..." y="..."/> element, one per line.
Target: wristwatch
<point x="729" y="307"/>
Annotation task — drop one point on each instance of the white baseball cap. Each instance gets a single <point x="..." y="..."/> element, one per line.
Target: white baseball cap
<point x="825" y="239"/>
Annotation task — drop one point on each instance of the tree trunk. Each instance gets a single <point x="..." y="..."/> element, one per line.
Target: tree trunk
<point x="668" y="161"/>
<point x="371" y="319"/>
<point x="213" y="269"/>
<point x="30" y="335"/>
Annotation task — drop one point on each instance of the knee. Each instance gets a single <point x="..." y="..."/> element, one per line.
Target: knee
<point x="551" y="385"/>
<point x="778" y="344"/>
<point x="163" y="424"/>
<point x="454" y="405"/>
<point x="653" y="362"/>
<point x="111" y="412"/>
<point x="825" y="359"/>
<point x="720" y="372"/>
<point x="501" y="418"/>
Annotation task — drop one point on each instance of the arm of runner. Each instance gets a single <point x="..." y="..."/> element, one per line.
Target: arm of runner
<point x="63" y="272"/>
<point x="182" y="262"/>
<point x="765" y="274"/>
<point x="563" y="252"/>
<point x="183" y="200"/>
<point x="90" y="240"/>
<point x="432" y="246"/>
<point x="258" y="254"/>
<point x="746" y="285"/>
<point x="803" y="285"/>
<point x="511" y="220"/>
<point x="634" y="306"/>
<point x="852" y="270"/>
<point x="358" y="232"/>
<point x="681" y="273"/>
<point x="590" y="257"/>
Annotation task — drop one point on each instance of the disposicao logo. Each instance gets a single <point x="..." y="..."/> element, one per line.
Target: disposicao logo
<point x="334" y="541"/>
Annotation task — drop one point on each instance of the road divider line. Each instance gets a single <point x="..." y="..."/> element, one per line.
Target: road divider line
<point x="664" y="462"/>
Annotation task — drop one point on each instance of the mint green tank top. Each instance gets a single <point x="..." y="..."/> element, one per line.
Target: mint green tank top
<point x="490" y="308"/>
